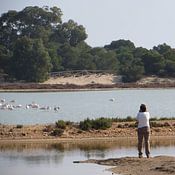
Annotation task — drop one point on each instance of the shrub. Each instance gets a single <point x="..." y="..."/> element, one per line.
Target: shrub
<point x="155" y="124"/>
<point x="48" y="128"/>
<point x="127" y="119"/>
<point x="60" y="124"/>
<point x="164" y="118"/>
<point x="102" y="123"/>
<point x="153" y="119"/>
<point x="69" y="123"/>
<point x="19" y="126"/>
<point x="99" y="123"/>
<point x="130" y="119"/>
<point x="57" y="132"/>
<point x="86" y="124"/>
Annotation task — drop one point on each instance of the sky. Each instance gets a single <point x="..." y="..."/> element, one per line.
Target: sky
<point x="147" y="23"/>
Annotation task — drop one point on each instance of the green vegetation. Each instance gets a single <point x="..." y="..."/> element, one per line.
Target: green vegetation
<point x="60" y="124"/>
<point x="127" y="119"/>
<point x="19" y="126"/>
<point x="99" y="123"/>
<point x="57" y="132"/>
<point x="35" y="42"/>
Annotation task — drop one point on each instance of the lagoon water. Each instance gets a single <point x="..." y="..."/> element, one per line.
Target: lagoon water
<point x="78" y="105"/>
<point x="57" y="158"/>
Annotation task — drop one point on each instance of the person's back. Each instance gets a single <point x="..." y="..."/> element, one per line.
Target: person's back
<point x="143" y="119"/>
<point x="143" y="130"/>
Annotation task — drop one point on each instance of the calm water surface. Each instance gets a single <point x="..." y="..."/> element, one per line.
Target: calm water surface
<point x="76" y="106"/>
<point x="57" y="158"/>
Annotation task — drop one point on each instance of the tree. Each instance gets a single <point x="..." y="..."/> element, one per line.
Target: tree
<point x="139" y="52"/>
<point x="104" y="59"/>
<point x="5" y="55"/>
<point x="170" y="68"/>
<point x="56" y="60"/>
<point x="119" y="45"/>
<point x="162" y="48"/>
<point x="70" y="56"/>
<point x="131" y="68"/>
<point x="30" y="60"/>
<point x="154" y="63"/>
<point x="69" y="32"/>
<point x="33" y="22"/>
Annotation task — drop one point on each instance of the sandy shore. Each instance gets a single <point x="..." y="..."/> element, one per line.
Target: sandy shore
<point x="47" y="131"/>
<point x="87" y="82"/>
<point x="159" y="165"/>
<point x="107" y="79"/>
<point x="104" y="79"/>
<point x="120" y="133"/>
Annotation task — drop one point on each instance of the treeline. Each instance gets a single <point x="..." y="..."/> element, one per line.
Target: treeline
<point x="35" y="42"/>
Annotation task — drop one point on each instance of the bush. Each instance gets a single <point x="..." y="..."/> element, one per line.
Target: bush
<point x="19" y="126"/>
<point x="60" y="124"/>
<point x="153" y="119"/>
<point x="57" y="132"/>
<point x="86" y="124"/>
<point x="102" y="123"/>
<point x="127" y="119"/>
<point x="130" y="119"/>
<point x="155" y="124"/>
<point x="48" y="128"/>
<point x="99" y="123"/>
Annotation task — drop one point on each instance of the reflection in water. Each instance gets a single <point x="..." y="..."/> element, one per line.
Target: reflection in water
<point x="53" y="158"/>
<point x="89" y="145"/>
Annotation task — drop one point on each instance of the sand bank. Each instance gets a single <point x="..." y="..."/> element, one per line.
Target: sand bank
<point x="159" y="165"/>
<point x="88" y="82"/>
<point x="47" y="131"/>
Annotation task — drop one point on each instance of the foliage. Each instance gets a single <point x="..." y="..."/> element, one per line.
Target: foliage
<point x="86" y="124"/>
<point x="153" y="62"/>
<point x="35" y="42"/>
<point x="57" y="132"/>
<point x="120" y="45"/>
<point x="61" y="124"/>
<point x="131" y="68"/>
<point x="30" y="60"/>
<point x="99" y="123"/>
<point x="19" y="126"/>
<point x="127" y="119"/>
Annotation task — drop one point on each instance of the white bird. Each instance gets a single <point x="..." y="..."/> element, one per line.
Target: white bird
<point x="10" y="107"/>
<point x="18" y="106"/>
<point x="27" y="106"/>
<point x="34" y="105"/>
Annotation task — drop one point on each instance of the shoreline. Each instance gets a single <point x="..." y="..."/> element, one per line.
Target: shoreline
<point x="77" y="140"/>
<point x="41" y="87"/>
<point x="76" y="90"/>
<point x="158" y="165"/>
<point x="92" y="81"/>
<point x="72" y="131"/>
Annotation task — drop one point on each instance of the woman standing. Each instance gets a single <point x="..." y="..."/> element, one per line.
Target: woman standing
<point x="143" y="117"/>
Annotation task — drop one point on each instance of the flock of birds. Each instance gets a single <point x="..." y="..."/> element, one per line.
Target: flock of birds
<point x="11" y="105"/>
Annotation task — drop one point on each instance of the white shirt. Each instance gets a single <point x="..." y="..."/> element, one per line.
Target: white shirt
<point x="143" y="119"/>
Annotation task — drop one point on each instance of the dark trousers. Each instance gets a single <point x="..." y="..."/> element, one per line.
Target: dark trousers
<point x="144" y="133"/>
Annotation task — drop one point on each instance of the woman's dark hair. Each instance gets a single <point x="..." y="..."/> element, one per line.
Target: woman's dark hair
<point x="142" y="108"/>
